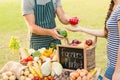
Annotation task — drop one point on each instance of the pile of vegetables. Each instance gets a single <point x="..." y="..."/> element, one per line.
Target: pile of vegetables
<point x="42" y="64"/>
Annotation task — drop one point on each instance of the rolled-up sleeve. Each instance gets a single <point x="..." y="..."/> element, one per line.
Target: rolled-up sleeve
<point x="58" y="3"/>
<point x="27" y="7"/>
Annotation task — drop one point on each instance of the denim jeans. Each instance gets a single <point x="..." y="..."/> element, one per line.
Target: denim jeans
<point x="109" y="72"/>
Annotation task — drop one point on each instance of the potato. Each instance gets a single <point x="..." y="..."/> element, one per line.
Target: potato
<point x="31" y="76"/>
<point x="5" y="77"/>
<point x="12" y="77"/>
<point x="9" y="73"/>
<point x="26" y="73"/>
<point x="26" y="69"/>
<point x="22" y="73"/>
<point x="27" y="79"/>
<point x="4" y="74"/>
<point x="22" y="77"/>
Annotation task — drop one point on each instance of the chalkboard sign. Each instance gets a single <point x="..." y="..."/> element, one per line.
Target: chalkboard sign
<point x="72" y="57"/>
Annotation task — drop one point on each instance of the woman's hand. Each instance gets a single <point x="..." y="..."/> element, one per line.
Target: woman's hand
<point x="116" y="75"/>
<point x="75" y="29"/>
<point x="54" y="34"/>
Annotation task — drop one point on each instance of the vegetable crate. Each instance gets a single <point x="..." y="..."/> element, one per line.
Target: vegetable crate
<point x="74" y="57"/>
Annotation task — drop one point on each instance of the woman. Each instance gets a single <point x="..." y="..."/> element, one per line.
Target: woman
<point x="40" y="19"/>
<point x="112" y="33"/>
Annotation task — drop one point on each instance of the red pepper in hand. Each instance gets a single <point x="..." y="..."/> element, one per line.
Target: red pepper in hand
<point x="73" y="21"/>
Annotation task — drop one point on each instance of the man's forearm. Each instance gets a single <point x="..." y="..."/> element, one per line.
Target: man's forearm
<point x="39" y="30"/>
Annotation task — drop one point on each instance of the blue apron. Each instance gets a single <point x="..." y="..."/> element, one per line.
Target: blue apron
<point x="44" y="17"/>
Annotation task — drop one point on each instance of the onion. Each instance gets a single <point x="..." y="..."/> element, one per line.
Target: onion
<point x="82" y="74"/>
<point x="78" y="70"/>
<point x="76" y="74"/>
<point x="89" y="76"/>
<point x="84" y="78"/>
<point x="79" y="78"/>
<point x="72" y="77"/>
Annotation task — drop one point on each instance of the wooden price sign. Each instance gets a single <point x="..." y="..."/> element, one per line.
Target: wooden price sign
<point x="72" y="57"/>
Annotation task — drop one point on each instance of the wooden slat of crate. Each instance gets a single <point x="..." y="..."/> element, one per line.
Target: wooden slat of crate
<point x="90" y="57"/>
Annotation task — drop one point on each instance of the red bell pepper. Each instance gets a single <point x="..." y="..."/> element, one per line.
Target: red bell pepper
<point x="29" y="58"/>
<point x="73" y="21"/>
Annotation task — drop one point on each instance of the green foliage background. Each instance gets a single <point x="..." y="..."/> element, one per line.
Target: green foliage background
<point x="91" y="13"/>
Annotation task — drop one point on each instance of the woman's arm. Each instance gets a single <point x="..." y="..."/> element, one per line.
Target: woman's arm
<point x="98" y="33"/>
<point x="116" y="75"/>
<point x="30" y="21"/>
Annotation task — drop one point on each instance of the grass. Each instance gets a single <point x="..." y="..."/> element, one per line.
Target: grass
<point x="91" y="13"/>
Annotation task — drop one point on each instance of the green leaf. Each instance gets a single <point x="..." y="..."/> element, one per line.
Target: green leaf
<point x="36" y="54"/>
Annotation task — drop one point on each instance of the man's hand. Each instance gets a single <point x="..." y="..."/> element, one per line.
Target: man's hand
<point x="54" y="34"/>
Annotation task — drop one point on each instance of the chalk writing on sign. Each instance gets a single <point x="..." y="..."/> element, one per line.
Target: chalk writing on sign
<point x="71" y="58"/>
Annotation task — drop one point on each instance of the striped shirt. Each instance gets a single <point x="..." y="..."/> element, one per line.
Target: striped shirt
<point x="113" y="37"/>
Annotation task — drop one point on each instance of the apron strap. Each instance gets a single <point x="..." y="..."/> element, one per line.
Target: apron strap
<point x="35" y="2"/>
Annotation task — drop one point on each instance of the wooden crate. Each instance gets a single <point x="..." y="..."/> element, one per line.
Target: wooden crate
<point x="73" y="57"/>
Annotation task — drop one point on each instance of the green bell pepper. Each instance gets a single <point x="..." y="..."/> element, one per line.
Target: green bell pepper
<point x="62" y="33"/>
